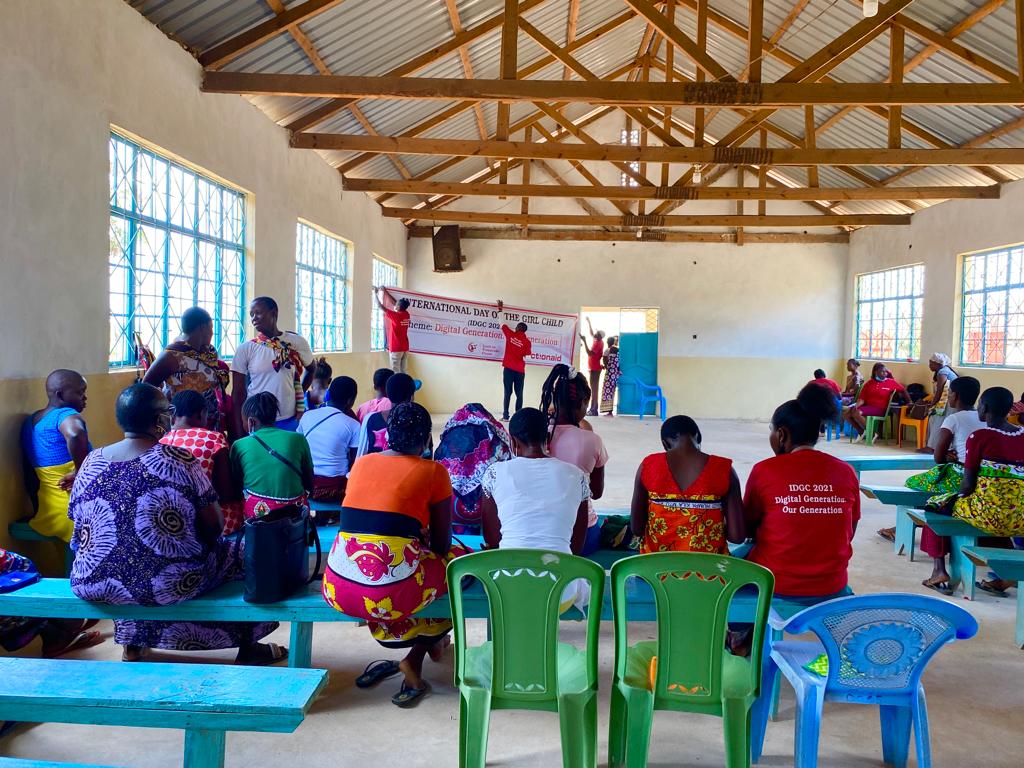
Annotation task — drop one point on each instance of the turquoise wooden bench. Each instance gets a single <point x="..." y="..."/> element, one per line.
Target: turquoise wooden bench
<point x="918" y="461"/>
<point x="1008" y="564"/>
<point x="904" y="499"/>
<point x="204" y="700"/>
<point x="961" y="534"/>
<point x="20" y="530"/>
<point x="19" y="762"/>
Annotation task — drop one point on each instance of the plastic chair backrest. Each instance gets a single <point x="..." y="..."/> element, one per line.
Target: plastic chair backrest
<point x="882" y="643"/>
<point x="692" y="593"/>
<point x="524" y="590"/>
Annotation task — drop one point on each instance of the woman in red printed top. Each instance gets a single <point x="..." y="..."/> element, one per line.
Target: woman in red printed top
<point x="684" y="499"/>
<point x="874" y="398"/>
<point x="802" y="505"/>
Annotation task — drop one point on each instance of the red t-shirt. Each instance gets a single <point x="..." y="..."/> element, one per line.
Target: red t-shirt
<point x="517" y="349"/>
<point x="828" y="384"/>
<point x="807" y="504"/>
<point x="876" y="394"/>
<point x="397" y="323"/>
<point x="596" y="353"/>
<point x="995" y="446"/>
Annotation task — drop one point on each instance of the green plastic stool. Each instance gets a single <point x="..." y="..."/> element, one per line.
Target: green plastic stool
<point x="694" y="672"/>
<point x="524" y="666"/>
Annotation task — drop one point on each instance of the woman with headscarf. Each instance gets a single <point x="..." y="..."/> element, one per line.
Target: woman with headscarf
<point x="147" y="527"/>
<point x="942" y="376"/>
<point x="395" y="540"/>
<point x="471" y="441"/>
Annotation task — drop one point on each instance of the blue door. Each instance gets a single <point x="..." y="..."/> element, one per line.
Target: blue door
<point x="638" y="359"/>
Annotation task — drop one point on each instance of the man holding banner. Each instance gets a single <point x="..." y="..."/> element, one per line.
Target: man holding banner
<point x="513" y="363"/>
<point x="396" y="327"/>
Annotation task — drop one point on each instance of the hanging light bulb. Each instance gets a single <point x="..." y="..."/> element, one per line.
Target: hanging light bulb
<point x="870" y="8"/>
<point x="696" y="174"/>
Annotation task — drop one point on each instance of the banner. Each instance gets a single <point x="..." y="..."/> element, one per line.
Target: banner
<point x="455" y="328"/>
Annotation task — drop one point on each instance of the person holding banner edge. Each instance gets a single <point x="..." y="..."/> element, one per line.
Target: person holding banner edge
<point x="396" y="326"/>
<point x="595" y="353"/>
<point x="513" y="364"/>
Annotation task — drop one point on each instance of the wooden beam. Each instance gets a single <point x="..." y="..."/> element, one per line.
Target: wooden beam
<point x="680" y="40"/>
<point x="617" y="192"/>
<point x="524" y="205"/>
<point x="467" y="66"/>
<point x="1019" y="17"/>
<point x="581" y="201"/>
<point x="768" y="95"/>
<point x="955" y="31"/>
<point x="658" y="154"/>
<point x="508" y="56"/>
<point x="809" y="143"/>
<point x="755" y="30"/>
<point x="794" y="12"/>
<point x="357" y="113"/>
<point x="812" y="220"/>
<point x="278" y="7"/>
<point x="428" y="57"/>
<point x="896" y="47"/>
<point x="762" y="177"/>
<point x="497" y="233"/>
<point x="955" y="49"/>
<point x="699" y="116"/>
<point x="572" y="19"/>
<point x="670" y="53"/>
<point x="222" y="53"/>
<point x="581" y="169"/>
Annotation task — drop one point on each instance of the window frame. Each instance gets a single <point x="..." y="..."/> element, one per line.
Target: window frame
<point x="859" y="303"/>
<point x="342" y="320"/>
<point x="1005" y="287"/>
<point x="375" y="311"/>
<point x="134" y="219"/>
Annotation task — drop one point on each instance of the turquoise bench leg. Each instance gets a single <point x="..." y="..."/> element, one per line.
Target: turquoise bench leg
<point x="1020" y="616"/>
<point x="204" y="749"/>
<point x="904" y="532"/>
<point x="961" y="567"/>
<point x="300" y="648"/>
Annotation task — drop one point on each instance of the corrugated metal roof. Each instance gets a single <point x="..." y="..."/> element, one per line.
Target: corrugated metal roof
<point x="367" y="37"/>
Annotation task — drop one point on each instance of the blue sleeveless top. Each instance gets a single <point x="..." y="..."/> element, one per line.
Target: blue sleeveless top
<point x="44" y="445"/>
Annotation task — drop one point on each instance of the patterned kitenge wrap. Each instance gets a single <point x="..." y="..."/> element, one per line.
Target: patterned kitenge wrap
<point x="612" y="374"/>
<point x="138" y="541"/>
<point x="471" y="441"/>
<point x="997" y="504"/>
<point x="685" y="520"/>
<point x="202" y="371"/>
<point x="287" y="357"/>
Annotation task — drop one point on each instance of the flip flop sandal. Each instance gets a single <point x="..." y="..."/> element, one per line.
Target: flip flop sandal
<point x="408" y="696"/>
<point x="942" y="590"/>
<point x="268" y="654"/>
<point x="886" y="534"/>
<point x="376" y="672"/>
<point x="985" y="586"/>
<point x="81" y="640"/>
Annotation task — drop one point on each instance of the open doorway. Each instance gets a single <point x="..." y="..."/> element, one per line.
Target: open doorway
<point x="637" y="332"/>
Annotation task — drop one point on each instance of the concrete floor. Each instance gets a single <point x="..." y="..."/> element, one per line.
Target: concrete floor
<point x="972" y="686"/>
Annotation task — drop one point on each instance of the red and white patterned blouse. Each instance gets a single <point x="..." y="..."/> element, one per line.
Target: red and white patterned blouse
<point x="201" y="443"/>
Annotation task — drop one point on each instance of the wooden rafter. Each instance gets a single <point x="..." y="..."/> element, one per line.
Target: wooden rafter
<point x="495" y="233"/>
<point x="707" y="220"/>
<point x="955" y="31"/>
<point x="467" y="66"/>
<point x="674" y="35"/>
<point x="508" y="55"/>
<point x="896" y="49"/>
<point x="572" y="19"/>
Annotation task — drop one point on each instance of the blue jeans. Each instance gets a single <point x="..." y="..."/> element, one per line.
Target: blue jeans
<point x="593" y="541"/>
<point x="291" y="424"/>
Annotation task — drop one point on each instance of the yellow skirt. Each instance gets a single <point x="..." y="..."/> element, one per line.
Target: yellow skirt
<point x="52" y="518"/>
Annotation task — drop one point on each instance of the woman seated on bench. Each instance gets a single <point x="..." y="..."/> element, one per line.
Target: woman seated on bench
<point x="802" y="505"/>
<point x="147" y="524"/>
<point x="685" y="500"/>
<point x="389" y="559"/>
<point x="991" y="495"/>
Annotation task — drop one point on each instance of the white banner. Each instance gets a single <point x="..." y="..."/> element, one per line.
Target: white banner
<point x="455" y="328"/>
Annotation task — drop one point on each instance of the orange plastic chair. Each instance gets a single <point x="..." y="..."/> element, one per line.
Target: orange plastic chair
<point x="920" y="428"/>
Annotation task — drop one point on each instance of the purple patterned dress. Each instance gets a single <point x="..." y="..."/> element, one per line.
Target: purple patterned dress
<point x="137" y="541"/>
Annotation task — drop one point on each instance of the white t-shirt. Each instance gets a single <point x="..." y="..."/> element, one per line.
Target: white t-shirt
<point x="257" y="362"/>
<point x="962" y="424"/>
<point x="330" y="433"/>
<point x="537" y="501"/>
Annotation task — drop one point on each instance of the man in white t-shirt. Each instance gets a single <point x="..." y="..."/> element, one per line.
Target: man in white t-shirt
<point x="275" y="361"/>
<point x="333" y="436"/>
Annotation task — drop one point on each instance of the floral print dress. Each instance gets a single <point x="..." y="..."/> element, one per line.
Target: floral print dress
<point x="138" y="541"/>
<point x="690" y="520"/>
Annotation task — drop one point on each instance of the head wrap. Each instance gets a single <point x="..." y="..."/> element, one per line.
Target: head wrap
<point x="941" y="359"/>
<point x="408" y="428"/>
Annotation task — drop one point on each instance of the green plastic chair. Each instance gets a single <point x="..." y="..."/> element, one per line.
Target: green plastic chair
<point x="524" y="666"/>
<point x="693" y="672"/>
<point x="879" y="423"/>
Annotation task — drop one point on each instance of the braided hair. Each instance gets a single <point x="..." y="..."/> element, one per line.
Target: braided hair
<point x="261" y="407"/>
<point x="409" y="428"/>
<point x="562" y="395"/>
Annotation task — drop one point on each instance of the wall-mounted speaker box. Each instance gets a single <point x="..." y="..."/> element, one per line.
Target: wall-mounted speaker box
<point x="447" y="249"/>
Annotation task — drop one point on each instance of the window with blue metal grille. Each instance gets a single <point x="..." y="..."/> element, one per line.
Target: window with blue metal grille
<point x="177" y="240"/>
<point x="992" y="313"/>
<point x="890" y="304"/>
<point x="387" y="275"/>
<point x="321" y="289"/>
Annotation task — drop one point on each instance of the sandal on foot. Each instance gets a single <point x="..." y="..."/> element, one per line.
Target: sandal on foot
<point x="942" y="587"/>
<point x="376" y="672"/>
<point x="889" y="534"/>
<point x="992" y="589"/>
<point x="408" y="696"/>
<point x="263" y="655"/>
<point x="133" y="653"/>
<point x="80" y="641"/>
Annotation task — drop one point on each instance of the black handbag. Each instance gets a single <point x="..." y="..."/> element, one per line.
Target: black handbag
<point x="277" y="554"/>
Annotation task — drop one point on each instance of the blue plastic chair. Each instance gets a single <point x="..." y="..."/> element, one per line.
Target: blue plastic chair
<point x="877" y="647"/>
<point x="838" y="425"/>
<point x="647" y="394"/>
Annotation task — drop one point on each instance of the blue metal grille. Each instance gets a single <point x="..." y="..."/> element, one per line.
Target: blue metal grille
<point x="889" y="308"/>
<point x="321" y="289"/>
<point x="177" y="240"/>
<point x="384" y="274"/>
<point x="992" y="313"/>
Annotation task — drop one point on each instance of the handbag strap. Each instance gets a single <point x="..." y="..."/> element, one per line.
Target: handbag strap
<point x="325" y="418"/>
<point x="312" y="533"/>
<point x="278" y="456"/>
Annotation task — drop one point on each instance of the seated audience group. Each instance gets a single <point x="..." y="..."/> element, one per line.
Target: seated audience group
<point x="154" y="518"/>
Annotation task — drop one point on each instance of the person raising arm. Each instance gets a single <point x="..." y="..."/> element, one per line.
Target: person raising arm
<point x="396" y="322"/>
